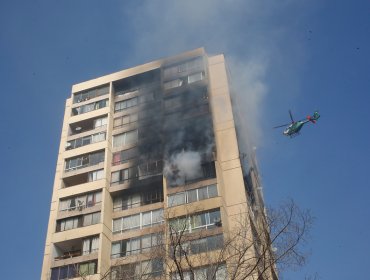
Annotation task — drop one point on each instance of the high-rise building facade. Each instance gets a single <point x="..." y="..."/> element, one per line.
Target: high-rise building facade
<point x="146" y="153"/>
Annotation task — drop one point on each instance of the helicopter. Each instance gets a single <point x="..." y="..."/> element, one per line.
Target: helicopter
<point x="295" y="126"/>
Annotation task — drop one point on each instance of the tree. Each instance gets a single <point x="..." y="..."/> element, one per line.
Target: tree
<point x="258" y="245"/>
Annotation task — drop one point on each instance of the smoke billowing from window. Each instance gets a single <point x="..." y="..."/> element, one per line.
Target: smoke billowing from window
<point x="258" y="38"/>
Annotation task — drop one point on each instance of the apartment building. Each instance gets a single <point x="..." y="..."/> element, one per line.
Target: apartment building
<point x="146" y="151"/>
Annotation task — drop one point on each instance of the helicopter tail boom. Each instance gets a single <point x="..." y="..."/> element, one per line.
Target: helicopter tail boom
<point x="314" y="118"/>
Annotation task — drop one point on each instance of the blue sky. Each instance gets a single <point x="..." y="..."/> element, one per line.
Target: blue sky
<point x="291" y="54"/>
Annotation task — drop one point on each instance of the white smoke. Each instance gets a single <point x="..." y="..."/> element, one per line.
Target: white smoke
<point x="258" y="38"/>
<point x="183" y="167"/>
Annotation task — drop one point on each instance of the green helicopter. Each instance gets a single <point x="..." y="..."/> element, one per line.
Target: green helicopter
<point x="295" y="126"/>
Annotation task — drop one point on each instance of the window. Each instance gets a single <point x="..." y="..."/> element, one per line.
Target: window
<point x="88" y="268"/>
<point x="91" y="219"/>
<point x="76" y="222"/>
<point x="206" y="244"/>
<point x="150" y="168"/>
<point x="89" y="107"/>
<point x="95" y="175"/>
<point x="135" y="246"/>
<point x="84" y="161"/>
<point x="192" y="195"/>
<point x="80" y="202"/>
<point x="126" y="138"/>
<point x="128" y="201"/>
<point x="90" y="93"/>
<point x="191" y="65"/>
<point x="205" y="220"/>
<point x="176" y="199"/>
<point x="90" y="245"/>
<point x="124" y="156"/>
<point x="204" y="273"/>
<point x="195" y="77"/>
<point x="173" y="102"/>
<point x="86" y="140"/>
<point x="69" y="223"/>
<point x="124" y="175"/>
<point x="125" y="104"/>
<point x="149" y="96"/>
<point x="100" y="122"/>
<point x="126" y="93"/>
<point x="131" y="271"/>
<point x="125" y="120"/>
<point x="173" y="84"/>
<point x="138" y="221"/>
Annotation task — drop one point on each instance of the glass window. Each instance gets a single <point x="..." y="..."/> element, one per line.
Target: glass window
<point x="117" y="225"/>
<point x="135" y="245"/>
<point x="147" y="219"/>
<point x="126" y="138"/>
<point x="214" y="216"/>
<point x="195" y="77"/>
<point x="95" y="175"/>
<point x="100" y="122"/>
<point x="202" y="193"/>
<point x="87" y="220"/>
<point x="212" y="191"/>
<point x="146" y="242"/>
<point x="135" y="221"/>
<point x="115" y="177"/>
<point x="157" y="216"/>
<point x="126" y="223"/>
<point x="173" y="84"/>
<point x="198" y="220"/>
<point x="199" y="246"/>
<point x="176" y="199"/>
<point x="192" y="196"/>
<point x="117" y="204"/>
<point x="96" y="218"/>
<point x="63" y="272"/>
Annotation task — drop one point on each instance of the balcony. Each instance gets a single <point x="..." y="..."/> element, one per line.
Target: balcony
<point x="89" y="107"/>
<point x="86" y="95"/>
<point x="139" y="175"/>
<point x="94" y="124"/>
<point x="84" y="161"/>
<point x="75" y="250"/>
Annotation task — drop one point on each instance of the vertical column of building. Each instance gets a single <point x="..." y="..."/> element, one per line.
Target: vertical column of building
<point x="77" y="224"/>
<point x="136" y="184"/>
<point x="229" y="170"/>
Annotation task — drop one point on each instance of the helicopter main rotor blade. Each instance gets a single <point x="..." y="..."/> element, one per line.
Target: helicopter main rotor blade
<point x="291" y="116"/>
<point x="282" y="125"/>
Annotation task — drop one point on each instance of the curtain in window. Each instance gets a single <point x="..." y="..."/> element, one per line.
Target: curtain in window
<point x="135" y="246"/>
<point x="116" y="250"/>
<point x="63" y="205"/>
<point x="118" y="140"/>
<point x="136" y="200"/>
<point x="95" y="218"/>
<point x="83" y="269"/>
<point x="86" y="246"/>
<point x="212" y="191"/>
<point x="117" y="225"/>
<point x="87" y="220"/>
<point x="98" y="197"/>
<point x="117" y="204"/>
<point x="95" y="244"/>
<point x="147" y="219"/>
<point x="135" y="221"/>
<point x="146" y="243"/>
<point x="115" y="177"/>
<point x="131" y="137"/>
